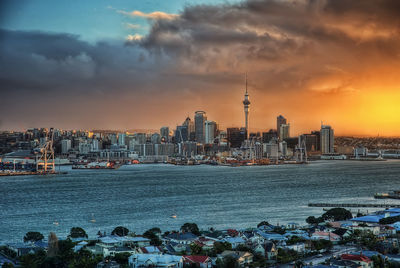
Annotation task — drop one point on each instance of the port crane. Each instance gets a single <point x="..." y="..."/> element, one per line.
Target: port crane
<point x="46" y="163"/>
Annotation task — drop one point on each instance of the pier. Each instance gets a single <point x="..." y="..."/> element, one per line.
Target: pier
<point x="353" y="205"/>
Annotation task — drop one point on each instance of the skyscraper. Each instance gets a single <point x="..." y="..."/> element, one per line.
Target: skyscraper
<point x="284" y="131"/>
<point x="164" y="132"/>
<point x="327" y="139"/>
<point x="246" y="104"/>
<point x="200" y="118"/>
<point x="210" y="132"/>
<point x="190" y="128"/>
<point x="279" y="121"/>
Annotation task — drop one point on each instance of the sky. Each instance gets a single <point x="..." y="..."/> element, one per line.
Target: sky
<point x="126" y="64"/>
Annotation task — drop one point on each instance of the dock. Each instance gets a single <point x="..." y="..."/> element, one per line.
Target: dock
<point x="353" y="205"/>
<point x="25" y="173"/>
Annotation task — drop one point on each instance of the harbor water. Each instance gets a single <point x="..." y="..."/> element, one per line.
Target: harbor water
<point x="144" y="196"/>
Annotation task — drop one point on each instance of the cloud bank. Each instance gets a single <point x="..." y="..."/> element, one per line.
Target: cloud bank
<point x="331" y="60"/>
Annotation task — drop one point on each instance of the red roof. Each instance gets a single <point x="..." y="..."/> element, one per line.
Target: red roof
<point x="353" y="257"/>
<point x="197" y="259"/>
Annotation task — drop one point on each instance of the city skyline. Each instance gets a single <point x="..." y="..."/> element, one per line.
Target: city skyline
<point x="125" y="65"/>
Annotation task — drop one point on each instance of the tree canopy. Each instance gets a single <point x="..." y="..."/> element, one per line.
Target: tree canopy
<point x="33" y="237"/>
<point x="77" y="232"/>
<point x="120" y="231"/>
<point x="337" y="214"/>
<point x="191" y="227"/>
<point x="263" y="223"/>
<point x="152" y="234"/>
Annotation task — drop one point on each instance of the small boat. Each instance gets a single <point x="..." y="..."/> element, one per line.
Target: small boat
<point x="174" y="216"/>
<point x="56" y="223"/>
<point x="92" y="220"/>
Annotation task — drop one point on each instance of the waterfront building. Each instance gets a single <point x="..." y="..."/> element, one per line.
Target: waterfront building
<point x="210" y="131"/>
<point x="312" y="141"/>
<point x="284" y="131"/>
<point x="200" y="118"/>
<point x="271" y="150"/>
<point x="236" y="136"/>
<point x="327" y="139"/>
<point x="246" y="105"/>
<point x="140" y="138"/>
<point x="283" y="150"/>
<point x="85" y="148"/>
<point x="268" y="136"/>
<point x="65" y="146"/>
<point x="164" y="132"/>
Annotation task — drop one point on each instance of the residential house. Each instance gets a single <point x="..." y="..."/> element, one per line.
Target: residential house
<point x="155" y="261"/>
<point x="243" y="258"/>
<point x="235" y="241"/>
<point x="108" y="264"/>
<point x="198" y="261"/>
<point x="334" y="238"/>
<point x="181" y="238"/>
<point x="362" y="260"/>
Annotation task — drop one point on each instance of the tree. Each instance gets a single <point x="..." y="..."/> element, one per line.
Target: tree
<point x="196" y="249"/>
<point x="243" y="248"/>
<point x="7" y="265"/>
<point x="220" y="247"/>
<point x="313" y="220"/>
<point x="33" y="237"/>
<point x="263" y="223"/>
<point x="227" y="262"/>
<point x="337" y="214"/>
<point x="152" y="234"/>
<point x="191" y="227"/>
<point x="77" y="232"/>
<point x="122" y="258"/>
<point x="120" y="231"/>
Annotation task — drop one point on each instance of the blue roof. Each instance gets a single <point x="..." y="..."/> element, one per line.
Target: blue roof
<point x="375" y="217"/>
<point x="272" y="236"/>
<point x="182" y="236"/>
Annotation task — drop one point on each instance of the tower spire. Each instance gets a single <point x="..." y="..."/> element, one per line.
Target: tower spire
<point x="246" y="104"/>
<point x="246" y="82"/>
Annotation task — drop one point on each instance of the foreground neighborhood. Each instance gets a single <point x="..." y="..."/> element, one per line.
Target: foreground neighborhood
<point x="336" y="239"/>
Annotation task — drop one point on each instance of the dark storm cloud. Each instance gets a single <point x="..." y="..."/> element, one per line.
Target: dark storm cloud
<point x="255" y="32"/>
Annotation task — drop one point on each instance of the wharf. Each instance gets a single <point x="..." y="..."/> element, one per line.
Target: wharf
<point x="353" y="205"/>
<point x="25" y="173"/>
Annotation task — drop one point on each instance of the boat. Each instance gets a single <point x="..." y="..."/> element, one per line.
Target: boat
<point x="56" y="223"/>
<point x="92" y="220"/>
<point x="389" y="195"/>
<point x="174" y="216"/>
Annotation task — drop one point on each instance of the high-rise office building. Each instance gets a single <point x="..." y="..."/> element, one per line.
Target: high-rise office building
<point x="121" y="138"/>
<point x="236" y="136"/>
<point x="181" y="134"/>
<point x="155" y="138"/>
<point x="280" y="120"/>
<point x="284" y="131"/>
<point x="268" y="136"/>
<point x="164" y="132"/>
<point x="327" y="139"/>
<point x="190" y="128"/>
<point x="210" y="132"/>
<point x="65" y="146"/>
<point x="200" y="118"/>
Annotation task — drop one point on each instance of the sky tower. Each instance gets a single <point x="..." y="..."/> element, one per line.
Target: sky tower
<point x="246" y="104"/>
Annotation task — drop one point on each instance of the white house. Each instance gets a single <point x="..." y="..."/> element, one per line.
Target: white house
<point x="155" y="261"/>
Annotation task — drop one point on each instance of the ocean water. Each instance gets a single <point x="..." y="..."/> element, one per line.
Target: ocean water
<point x="144" y="196"/>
